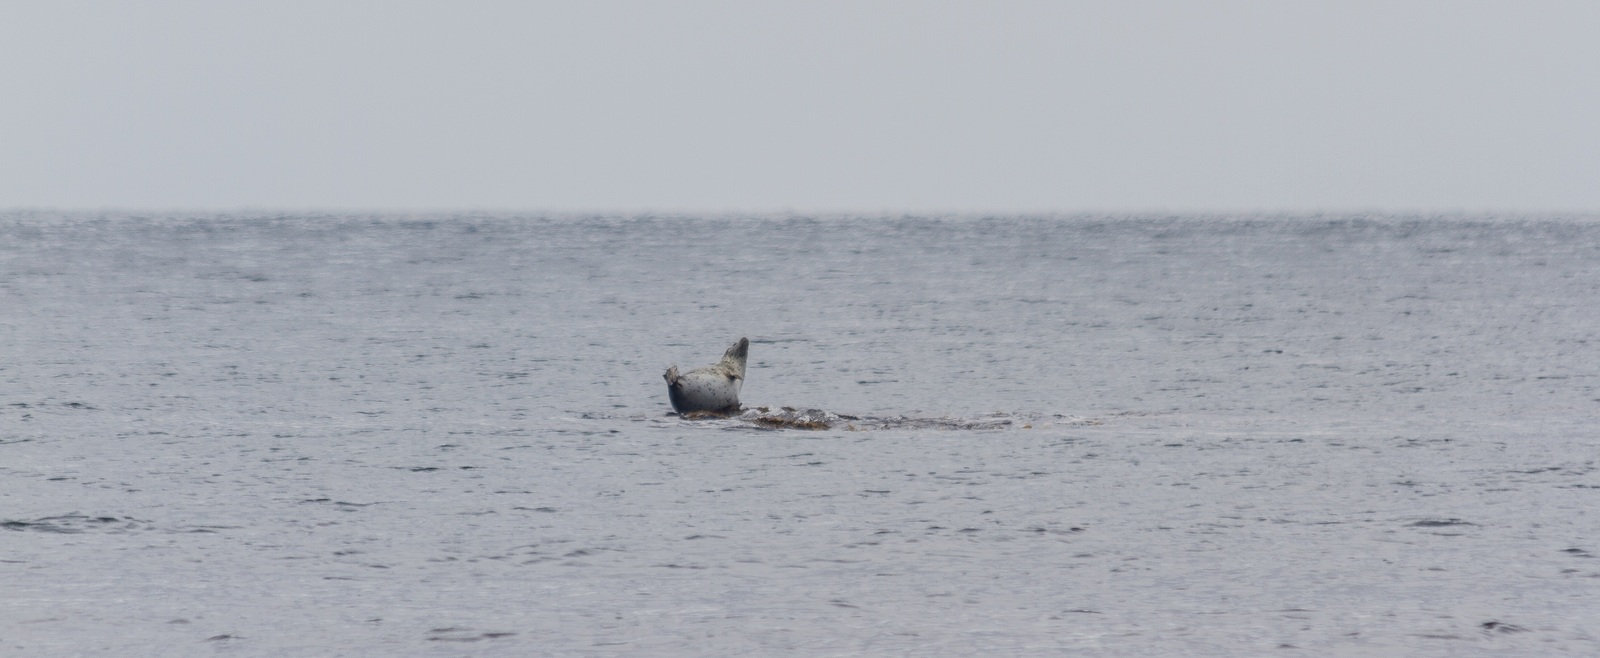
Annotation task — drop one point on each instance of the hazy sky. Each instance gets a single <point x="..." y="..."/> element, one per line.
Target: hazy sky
<point x="804" y="106"/>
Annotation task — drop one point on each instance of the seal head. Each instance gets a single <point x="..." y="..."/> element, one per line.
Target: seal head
<point x="713" y="388"/>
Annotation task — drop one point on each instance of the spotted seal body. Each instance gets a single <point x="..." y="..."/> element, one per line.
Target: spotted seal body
<point x="713" y="388"/>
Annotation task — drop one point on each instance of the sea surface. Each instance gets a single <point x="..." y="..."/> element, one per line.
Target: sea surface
<point x="437" y="435"/>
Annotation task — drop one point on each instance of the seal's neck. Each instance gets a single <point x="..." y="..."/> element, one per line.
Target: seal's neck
<point x="735" y="357"/>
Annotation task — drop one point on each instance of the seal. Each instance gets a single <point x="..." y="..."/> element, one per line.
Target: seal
<point x="713" y="388"/>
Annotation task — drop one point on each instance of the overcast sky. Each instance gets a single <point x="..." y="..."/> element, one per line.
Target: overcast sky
<point x="802" y="106"/>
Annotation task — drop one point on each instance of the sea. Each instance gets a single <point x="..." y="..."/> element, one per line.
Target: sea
<point x="448" y="434"/>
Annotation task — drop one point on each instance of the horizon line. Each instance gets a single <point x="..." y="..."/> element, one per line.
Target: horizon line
<point x="819" y="211"/>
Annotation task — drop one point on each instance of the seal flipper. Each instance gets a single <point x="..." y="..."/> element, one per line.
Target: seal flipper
<point x="675" y="395"/>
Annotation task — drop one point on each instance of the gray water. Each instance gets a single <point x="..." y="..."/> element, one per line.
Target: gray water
<point x="354" y="435"/>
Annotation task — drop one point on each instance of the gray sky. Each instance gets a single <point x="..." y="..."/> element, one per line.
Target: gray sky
<point x="803" y="106"/>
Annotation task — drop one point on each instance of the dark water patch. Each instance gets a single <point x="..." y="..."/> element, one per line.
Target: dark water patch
<point x="1439" y="523"/>
<point x="1041" y="530"/>
<point x="338" y="504"/>
<point x="1501" y="627"/>
<point x="74" y="524"/>
<point x="458" y="634"/>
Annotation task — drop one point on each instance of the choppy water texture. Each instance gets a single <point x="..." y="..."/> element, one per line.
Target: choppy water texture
<point x="348" y="435"/>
